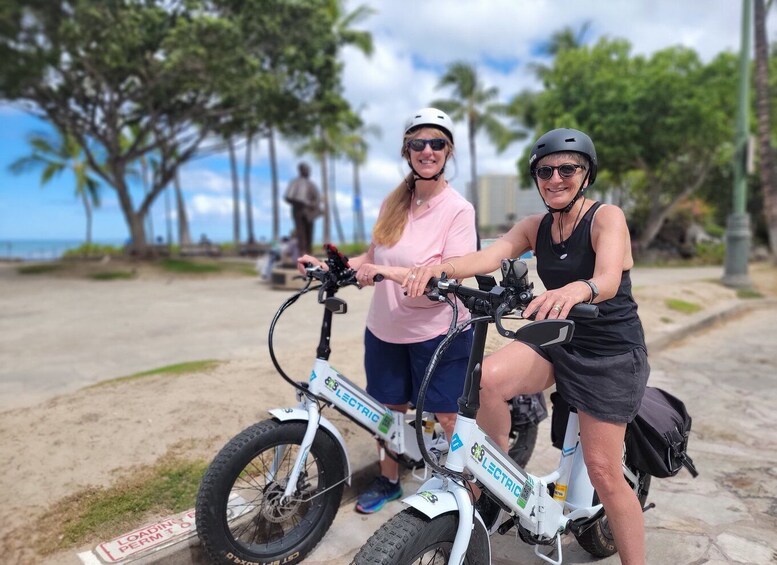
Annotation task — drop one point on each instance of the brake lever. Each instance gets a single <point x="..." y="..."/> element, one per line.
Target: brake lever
<point x="503" y="308"/>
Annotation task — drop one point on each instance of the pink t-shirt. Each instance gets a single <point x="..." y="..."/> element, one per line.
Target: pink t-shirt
<point x="444" y="229"/>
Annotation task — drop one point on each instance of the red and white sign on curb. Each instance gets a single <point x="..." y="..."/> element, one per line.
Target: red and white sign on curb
<point x="153" y="537"/>
<point x="149" y="537"/>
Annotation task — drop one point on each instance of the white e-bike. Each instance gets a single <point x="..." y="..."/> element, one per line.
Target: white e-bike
<point x="272" y="492"/>
<point x="442" y="525"/>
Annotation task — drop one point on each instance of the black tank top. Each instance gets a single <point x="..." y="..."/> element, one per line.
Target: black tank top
<point x="618" y="328"/>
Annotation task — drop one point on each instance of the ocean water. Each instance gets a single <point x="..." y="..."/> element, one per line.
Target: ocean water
<point x="40" y="249"/>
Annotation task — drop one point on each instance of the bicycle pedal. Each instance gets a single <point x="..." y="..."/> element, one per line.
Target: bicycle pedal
<point x="506" y="526"/>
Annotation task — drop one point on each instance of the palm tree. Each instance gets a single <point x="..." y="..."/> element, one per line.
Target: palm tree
<point x="57" y="154"/>
<point x="477" y="106"/>
<point x="763" y="111"/>
<point x="355" y="149"/>
<point x="250" y="238"/>
<point x="235" y="193"/>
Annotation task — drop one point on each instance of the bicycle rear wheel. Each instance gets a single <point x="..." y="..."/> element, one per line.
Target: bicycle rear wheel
<point x="598" y="539"/>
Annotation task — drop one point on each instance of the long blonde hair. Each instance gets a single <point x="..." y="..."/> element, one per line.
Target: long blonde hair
<point x="393" y="215"/>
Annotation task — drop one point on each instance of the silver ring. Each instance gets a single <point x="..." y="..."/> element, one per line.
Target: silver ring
<point x="557" y="307"/>
<point x="412" y="276"/>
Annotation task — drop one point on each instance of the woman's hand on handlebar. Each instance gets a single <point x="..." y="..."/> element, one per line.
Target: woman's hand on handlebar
<point x="368" y="274"/>
<point x="553" y="304"/>
<point x="417" y="278"/>
<point x="307" y="261"/>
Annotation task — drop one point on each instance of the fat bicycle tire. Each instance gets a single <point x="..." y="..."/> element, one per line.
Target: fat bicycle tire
<point x="598" y="540"/>
<point x="521" y="442"/>
<point x="412" y="538"/>
<point x="238" y="514"/>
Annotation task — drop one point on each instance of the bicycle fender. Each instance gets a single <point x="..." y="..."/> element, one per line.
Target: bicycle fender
<point x="300" y="415"/>
<point x="432" y="499"/>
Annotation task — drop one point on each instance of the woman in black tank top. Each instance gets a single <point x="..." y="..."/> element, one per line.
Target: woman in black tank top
<point x="583" y="253"/>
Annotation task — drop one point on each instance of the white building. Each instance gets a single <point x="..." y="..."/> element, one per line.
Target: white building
<point x="501" y="202"/>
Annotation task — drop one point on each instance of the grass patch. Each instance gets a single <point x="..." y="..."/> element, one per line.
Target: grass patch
<point x="189" y="267"/>
<point x="112" y="275"/>
<point x="682" y="306"/>
<point x="167" y="487"/>
<point x="666" y="320"/>
<point x="172" y="370"/>
<point x="39" y="269"/>
<point x="748" y="293"/>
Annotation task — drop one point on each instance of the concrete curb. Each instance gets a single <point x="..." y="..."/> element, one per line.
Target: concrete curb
<point x="188" y="551"/>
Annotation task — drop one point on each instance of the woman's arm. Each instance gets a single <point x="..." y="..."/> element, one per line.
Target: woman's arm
<point x="478" y="262"/>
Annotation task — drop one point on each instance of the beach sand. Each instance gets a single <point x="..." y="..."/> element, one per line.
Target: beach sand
<point x="59" y="335"/>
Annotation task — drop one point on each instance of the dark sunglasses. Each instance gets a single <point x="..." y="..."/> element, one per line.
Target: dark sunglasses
<point x="565" y="171"/>
<point x="437" y="144"/>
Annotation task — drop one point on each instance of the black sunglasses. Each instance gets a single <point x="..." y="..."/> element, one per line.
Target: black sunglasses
<point x="565" y="171"/>
<point x="437" y="144"/>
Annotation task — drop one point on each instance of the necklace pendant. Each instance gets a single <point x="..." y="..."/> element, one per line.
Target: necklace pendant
<point x="419" y="202"/>
<point x="563" y="256"/>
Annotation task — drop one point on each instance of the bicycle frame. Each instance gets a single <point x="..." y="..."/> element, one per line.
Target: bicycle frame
<point x="352" y="401"/>
<point x="326" y="386"/>
<point x="475" y="456"/>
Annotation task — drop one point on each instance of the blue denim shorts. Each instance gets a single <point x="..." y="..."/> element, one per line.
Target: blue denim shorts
<point x="395" y="371"/>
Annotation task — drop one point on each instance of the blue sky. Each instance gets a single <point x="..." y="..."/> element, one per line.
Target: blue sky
<point x="413" y="44"/>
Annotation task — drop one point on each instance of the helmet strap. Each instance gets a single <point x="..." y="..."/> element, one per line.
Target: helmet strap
<point x="416" y="176"/>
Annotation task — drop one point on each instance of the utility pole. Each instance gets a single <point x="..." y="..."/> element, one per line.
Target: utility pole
<point x="738" y="226"/>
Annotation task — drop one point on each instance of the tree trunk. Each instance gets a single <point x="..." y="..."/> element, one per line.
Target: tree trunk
<point x="168" y="218"/>
<point x="473" y="189"/>
<point x="247" y="185"/>
<point x="235" y="196"/>
<point x="88" y="212"/>
<point x="276" y="229"/>
<point x="184" y="237"/>
<point x="325" y="198"/>
<point x="358" y="207"/>
<point x="149" y="216"/>
<point x="335" y="209"/>
<point x="763" y="111"/>
<point x="658" y="212"/>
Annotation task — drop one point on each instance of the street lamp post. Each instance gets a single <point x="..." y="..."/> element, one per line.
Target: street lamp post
<point x="738" y="226"/>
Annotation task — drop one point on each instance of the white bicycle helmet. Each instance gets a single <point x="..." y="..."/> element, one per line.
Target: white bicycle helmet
<point x="430" y="117"/>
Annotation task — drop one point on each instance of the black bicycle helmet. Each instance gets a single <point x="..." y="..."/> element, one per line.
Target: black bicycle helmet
<point x="564" y="139"/>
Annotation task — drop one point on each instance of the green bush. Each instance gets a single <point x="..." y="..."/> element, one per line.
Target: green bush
<point x="93" y="250"/>
<point x="183" y="266"/>
<point x="711" y="253"/>
<point x="39" y="268"/>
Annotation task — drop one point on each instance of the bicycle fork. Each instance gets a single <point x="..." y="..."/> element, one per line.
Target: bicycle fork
<point x="314" y="416"/>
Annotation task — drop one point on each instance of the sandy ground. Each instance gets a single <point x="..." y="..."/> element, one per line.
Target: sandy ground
<point x="60" y="335"/>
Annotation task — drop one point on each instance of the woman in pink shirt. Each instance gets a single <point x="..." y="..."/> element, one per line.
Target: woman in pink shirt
<point x="423" y="221"/>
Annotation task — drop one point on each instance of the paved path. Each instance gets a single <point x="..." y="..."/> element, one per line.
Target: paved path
<point x="58" y="334"/>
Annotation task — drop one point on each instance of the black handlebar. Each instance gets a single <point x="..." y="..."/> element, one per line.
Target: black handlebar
<point x="338" y="275"/>
<point x="494" y="300"/>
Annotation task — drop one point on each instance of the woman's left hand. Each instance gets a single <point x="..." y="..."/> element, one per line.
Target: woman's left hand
<point x="367" y="272"/>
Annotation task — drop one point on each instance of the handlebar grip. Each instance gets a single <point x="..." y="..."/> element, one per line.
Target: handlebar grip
<point x="584" y="311"/>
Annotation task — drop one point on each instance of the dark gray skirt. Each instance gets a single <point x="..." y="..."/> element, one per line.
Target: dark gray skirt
<point x="609" y="388"/>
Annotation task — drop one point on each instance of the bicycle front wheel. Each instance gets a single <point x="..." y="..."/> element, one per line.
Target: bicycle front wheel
<point x="241" y="514"/>
<point x="411" y="538"/>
